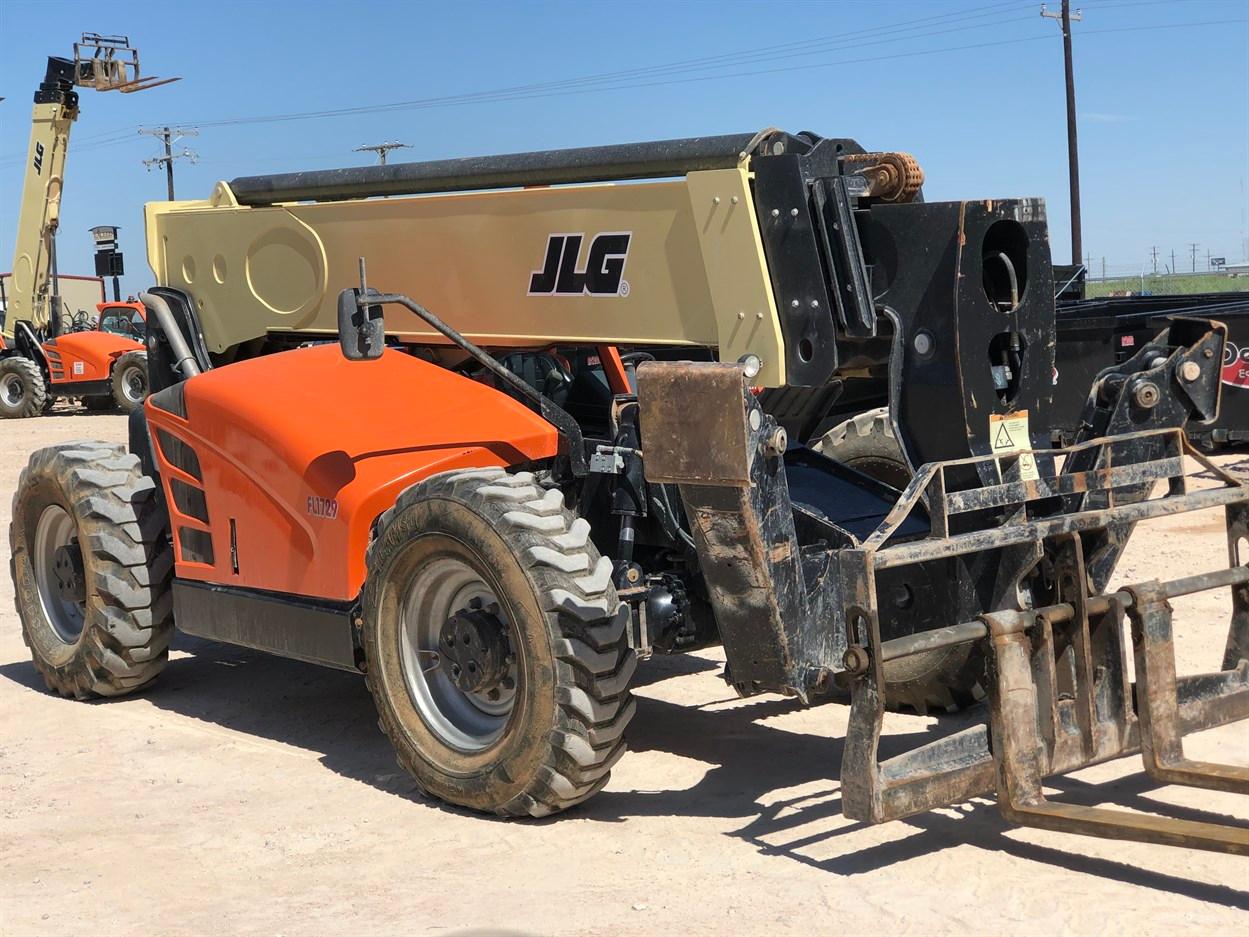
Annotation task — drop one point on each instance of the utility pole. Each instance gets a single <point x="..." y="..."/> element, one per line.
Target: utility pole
<point x="1154" y="252"/>
<point x="1173" y="268"/>
<point x="1065" y="17"/>
<point x="170" y="136"/>
<point x="1193" y="248"/>
<point x="381" y="149"/>
<point x="1207" y="261"/>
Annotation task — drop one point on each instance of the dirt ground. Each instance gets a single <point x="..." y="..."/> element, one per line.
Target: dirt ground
<point x="248" y="794"/>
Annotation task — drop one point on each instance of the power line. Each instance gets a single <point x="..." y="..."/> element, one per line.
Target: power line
<point x="506" y="95"/>
<point x="805" y="47"/>
<point x="170" y="136"/>
<point x="487" y="98"/>
<point x="802" y="47"/>
<point x="581" y="84"/>
<point x="115" y="137"/>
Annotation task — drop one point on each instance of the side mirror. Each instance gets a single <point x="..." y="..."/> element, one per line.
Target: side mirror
<point x="361" y="327"/>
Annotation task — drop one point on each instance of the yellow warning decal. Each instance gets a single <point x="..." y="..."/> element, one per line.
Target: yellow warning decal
<point x="1008" y="434"/>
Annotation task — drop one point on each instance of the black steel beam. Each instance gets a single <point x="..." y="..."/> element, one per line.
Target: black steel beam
<point x="655" y="160"/>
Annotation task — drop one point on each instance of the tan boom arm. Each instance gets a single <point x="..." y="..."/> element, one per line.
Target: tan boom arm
<point x="102" y="63"/>
<point x="40" y="211"/>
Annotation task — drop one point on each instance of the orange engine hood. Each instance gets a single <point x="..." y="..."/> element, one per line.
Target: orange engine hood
<point x="302" y="450"/>
<point x="85" y="356"/>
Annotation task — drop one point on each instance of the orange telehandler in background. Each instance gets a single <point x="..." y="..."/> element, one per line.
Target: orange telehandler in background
<point x="43" y="354"/>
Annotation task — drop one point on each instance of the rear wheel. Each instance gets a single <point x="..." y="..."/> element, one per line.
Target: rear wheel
<point x="866" y="443"/>
<point x="91" y="567"/>
<point x="130" y="381"/>
<point x="22" y="390"/>
<point x="949" y="678"/>
<point x="497" y="649"/>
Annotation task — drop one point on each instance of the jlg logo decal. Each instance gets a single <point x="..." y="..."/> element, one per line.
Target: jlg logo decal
<point x="322" y="507"/>
<point x="603" y="274"/>
<point x="38" y="161"/>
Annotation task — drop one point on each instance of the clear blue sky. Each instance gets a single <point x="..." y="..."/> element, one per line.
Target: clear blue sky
<point x="1163" y="112"/>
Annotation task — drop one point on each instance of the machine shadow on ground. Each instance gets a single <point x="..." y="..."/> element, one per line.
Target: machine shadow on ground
<point x="330" y="713"/>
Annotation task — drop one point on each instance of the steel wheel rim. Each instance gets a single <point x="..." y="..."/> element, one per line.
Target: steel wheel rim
<point x="54" y="530"/>
<point x="134" y="384"/>
<point x="11" y="389"/>
<point x="467" y="722"/>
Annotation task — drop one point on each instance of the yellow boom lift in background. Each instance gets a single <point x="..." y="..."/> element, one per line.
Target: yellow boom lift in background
<point x="39" y="362"/>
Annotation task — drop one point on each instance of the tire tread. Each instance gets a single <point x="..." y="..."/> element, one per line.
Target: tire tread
<point x="586" y="623"/>
<point x="129" y="620"/>
<point x="37" y="400"/>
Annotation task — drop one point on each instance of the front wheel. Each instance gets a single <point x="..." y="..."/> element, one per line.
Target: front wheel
<point x="91" y="566"/>
<point x="23" y="392"/>
<point x="130" y="381"/>
<point x="944" y="679"/>
<point x="497" y="649"/>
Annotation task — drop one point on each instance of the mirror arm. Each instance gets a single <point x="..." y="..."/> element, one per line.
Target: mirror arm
<point x="360" y="311"/>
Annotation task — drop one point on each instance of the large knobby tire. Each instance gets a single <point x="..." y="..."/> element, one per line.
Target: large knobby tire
<point x="130" y="381"/>
<point x="498" y="546"/>
<point x="91" y="565"/>
<point x="944" y="679"/>
<point x="23" y="392"/>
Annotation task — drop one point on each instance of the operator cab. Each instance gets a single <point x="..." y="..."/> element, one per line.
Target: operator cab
<point x="125" y="319"/>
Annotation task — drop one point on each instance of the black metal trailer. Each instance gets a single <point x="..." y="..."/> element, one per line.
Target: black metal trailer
<point x="1095" y="334"/>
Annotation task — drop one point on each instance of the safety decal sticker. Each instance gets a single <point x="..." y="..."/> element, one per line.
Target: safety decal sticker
<point x="1235" y="366"/>
<point x="1008" y="435"/>
<point x="79" y="368"/>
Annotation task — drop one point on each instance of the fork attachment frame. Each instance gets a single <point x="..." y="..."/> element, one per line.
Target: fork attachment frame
<point x="1059" y="696"/>
<point x="1020" y="545"/>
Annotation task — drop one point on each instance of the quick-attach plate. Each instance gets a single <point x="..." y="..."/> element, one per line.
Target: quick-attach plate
<point x="694" y="423"/>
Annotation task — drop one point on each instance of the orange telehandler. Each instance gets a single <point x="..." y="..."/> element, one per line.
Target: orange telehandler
<point x="616" y="444"/>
